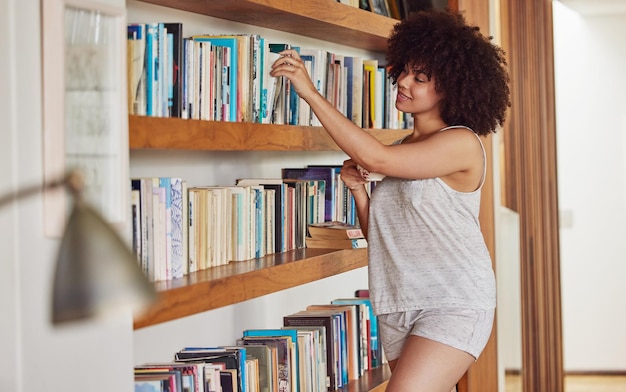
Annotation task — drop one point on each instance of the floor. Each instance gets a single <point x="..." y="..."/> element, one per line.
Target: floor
<point x="573" y="383"/>
<point x="578" y="383"/>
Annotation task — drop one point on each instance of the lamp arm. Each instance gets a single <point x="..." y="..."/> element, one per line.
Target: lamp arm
<point x="73" y="181"/>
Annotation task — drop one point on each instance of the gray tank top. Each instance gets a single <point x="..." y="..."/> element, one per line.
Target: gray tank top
<point x="426" y="249"/>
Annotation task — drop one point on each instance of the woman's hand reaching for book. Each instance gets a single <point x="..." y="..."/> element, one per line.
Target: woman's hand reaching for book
<point x="291" y="66"/>
<point x="351" y="176"/>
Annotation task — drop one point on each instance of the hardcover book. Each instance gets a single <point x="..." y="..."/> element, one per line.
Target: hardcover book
<point x="280" y="101"/>
<point x="285" y="343"/>
<point x="329" y="322"/>
<point x="175" y="68"/>
<point x="232" y="357"/>
<point x="336" y="243"/>
<point x="136" y="52"/>
<point x="263" y="354"/>
<point x="335" y="230"/>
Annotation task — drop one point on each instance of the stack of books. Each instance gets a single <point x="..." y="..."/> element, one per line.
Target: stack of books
<point x="335" y="235"/>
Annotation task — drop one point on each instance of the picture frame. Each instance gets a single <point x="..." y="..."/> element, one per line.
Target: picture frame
<point x="84" y="104"/>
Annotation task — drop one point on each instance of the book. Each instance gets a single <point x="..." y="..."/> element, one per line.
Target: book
<point x="188" y="375"/>
<point x="178" y="232"/>
<point x="335" y="230"/>
<point x="263" y="354"/>
<point x="354" y="88"/>
<point x="171" y="375"/>
<point x="352" y="348"/>
<point x="322" y="173"/>
<point x="212" y="380"/>
<point x="293" y="106"/>
<point x="155" y="382"/>
<point x="297" y="218"/>
<point x="285" y="342"/>
<point x="231" y="357"/>
<point x="371" y="72"/>
<point x="166" y="184"/>
<point x="229" y="70"/>
<point x="310" y="318"/>
<point x="135" y="203"/>
<point x="279" y="104"/>
<point x="175" y="68"/>
<point x="322" y="382"/>
<point x="136" y="52"/>
<point x="334" y="243"/>
<point x="362" y="313"/>
<point x="318" y="74"/>
<point x="228" y="380"/>
<point x="375" y="351"/>
<point x="279" y="210"/>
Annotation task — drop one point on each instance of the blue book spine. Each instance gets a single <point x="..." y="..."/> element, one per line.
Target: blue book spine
<point x="149" y="69"/>
<point x="161" y="73"/>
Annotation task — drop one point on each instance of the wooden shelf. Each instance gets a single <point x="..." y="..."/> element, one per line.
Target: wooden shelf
<point x="373" y="380"/>
<point x="178" y="134"/>
<point x="327" y="20"/>
<point x="239" y="281"/>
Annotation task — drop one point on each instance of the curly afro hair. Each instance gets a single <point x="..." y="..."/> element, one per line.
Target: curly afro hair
<point x="470" y="72"/>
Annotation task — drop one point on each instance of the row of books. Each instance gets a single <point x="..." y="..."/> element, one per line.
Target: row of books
<point x="397" y="9"/>
<point x="226" y="77"/>
<point x="178" y="229"/>
<point x="321" y="348"/>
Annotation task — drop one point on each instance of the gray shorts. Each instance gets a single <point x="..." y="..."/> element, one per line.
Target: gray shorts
<point x="464" y="329"/>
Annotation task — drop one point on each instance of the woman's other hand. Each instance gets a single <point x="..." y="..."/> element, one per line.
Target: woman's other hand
<point x="351" y="176"/>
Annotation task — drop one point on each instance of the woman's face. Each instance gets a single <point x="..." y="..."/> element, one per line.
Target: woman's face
<point x="416" y="92"/>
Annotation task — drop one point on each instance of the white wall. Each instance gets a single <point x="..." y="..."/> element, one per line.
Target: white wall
<point x="590" y="59"/>
<point x="36" y="356"/>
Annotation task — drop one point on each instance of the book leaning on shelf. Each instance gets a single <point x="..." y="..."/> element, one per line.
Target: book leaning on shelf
<point x="335" y="230"/>
<point x="335" y="235"/>
<point x="327" y="243"/>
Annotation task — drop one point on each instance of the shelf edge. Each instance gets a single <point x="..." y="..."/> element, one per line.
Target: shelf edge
<point x="240" y="281"/>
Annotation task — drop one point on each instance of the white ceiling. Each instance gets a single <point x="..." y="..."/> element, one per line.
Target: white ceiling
<point x="596" y="7"/>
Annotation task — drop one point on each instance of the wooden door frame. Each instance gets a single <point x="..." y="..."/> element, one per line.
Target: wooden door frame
<point x="529" y="187"/>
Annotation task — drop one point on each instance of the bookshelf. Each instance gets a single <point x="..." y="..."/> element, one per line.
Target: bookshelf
<point x="226" y="285"/>
<point x="325" y="19"/>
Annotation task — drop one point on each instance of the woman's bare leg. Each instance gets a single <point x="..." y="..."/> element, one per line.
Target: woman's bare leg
<point x="427" y="366"/>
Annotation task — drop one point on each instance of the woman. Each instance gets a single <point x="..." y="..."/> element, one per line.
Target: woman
<point x="430" y="277"/>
